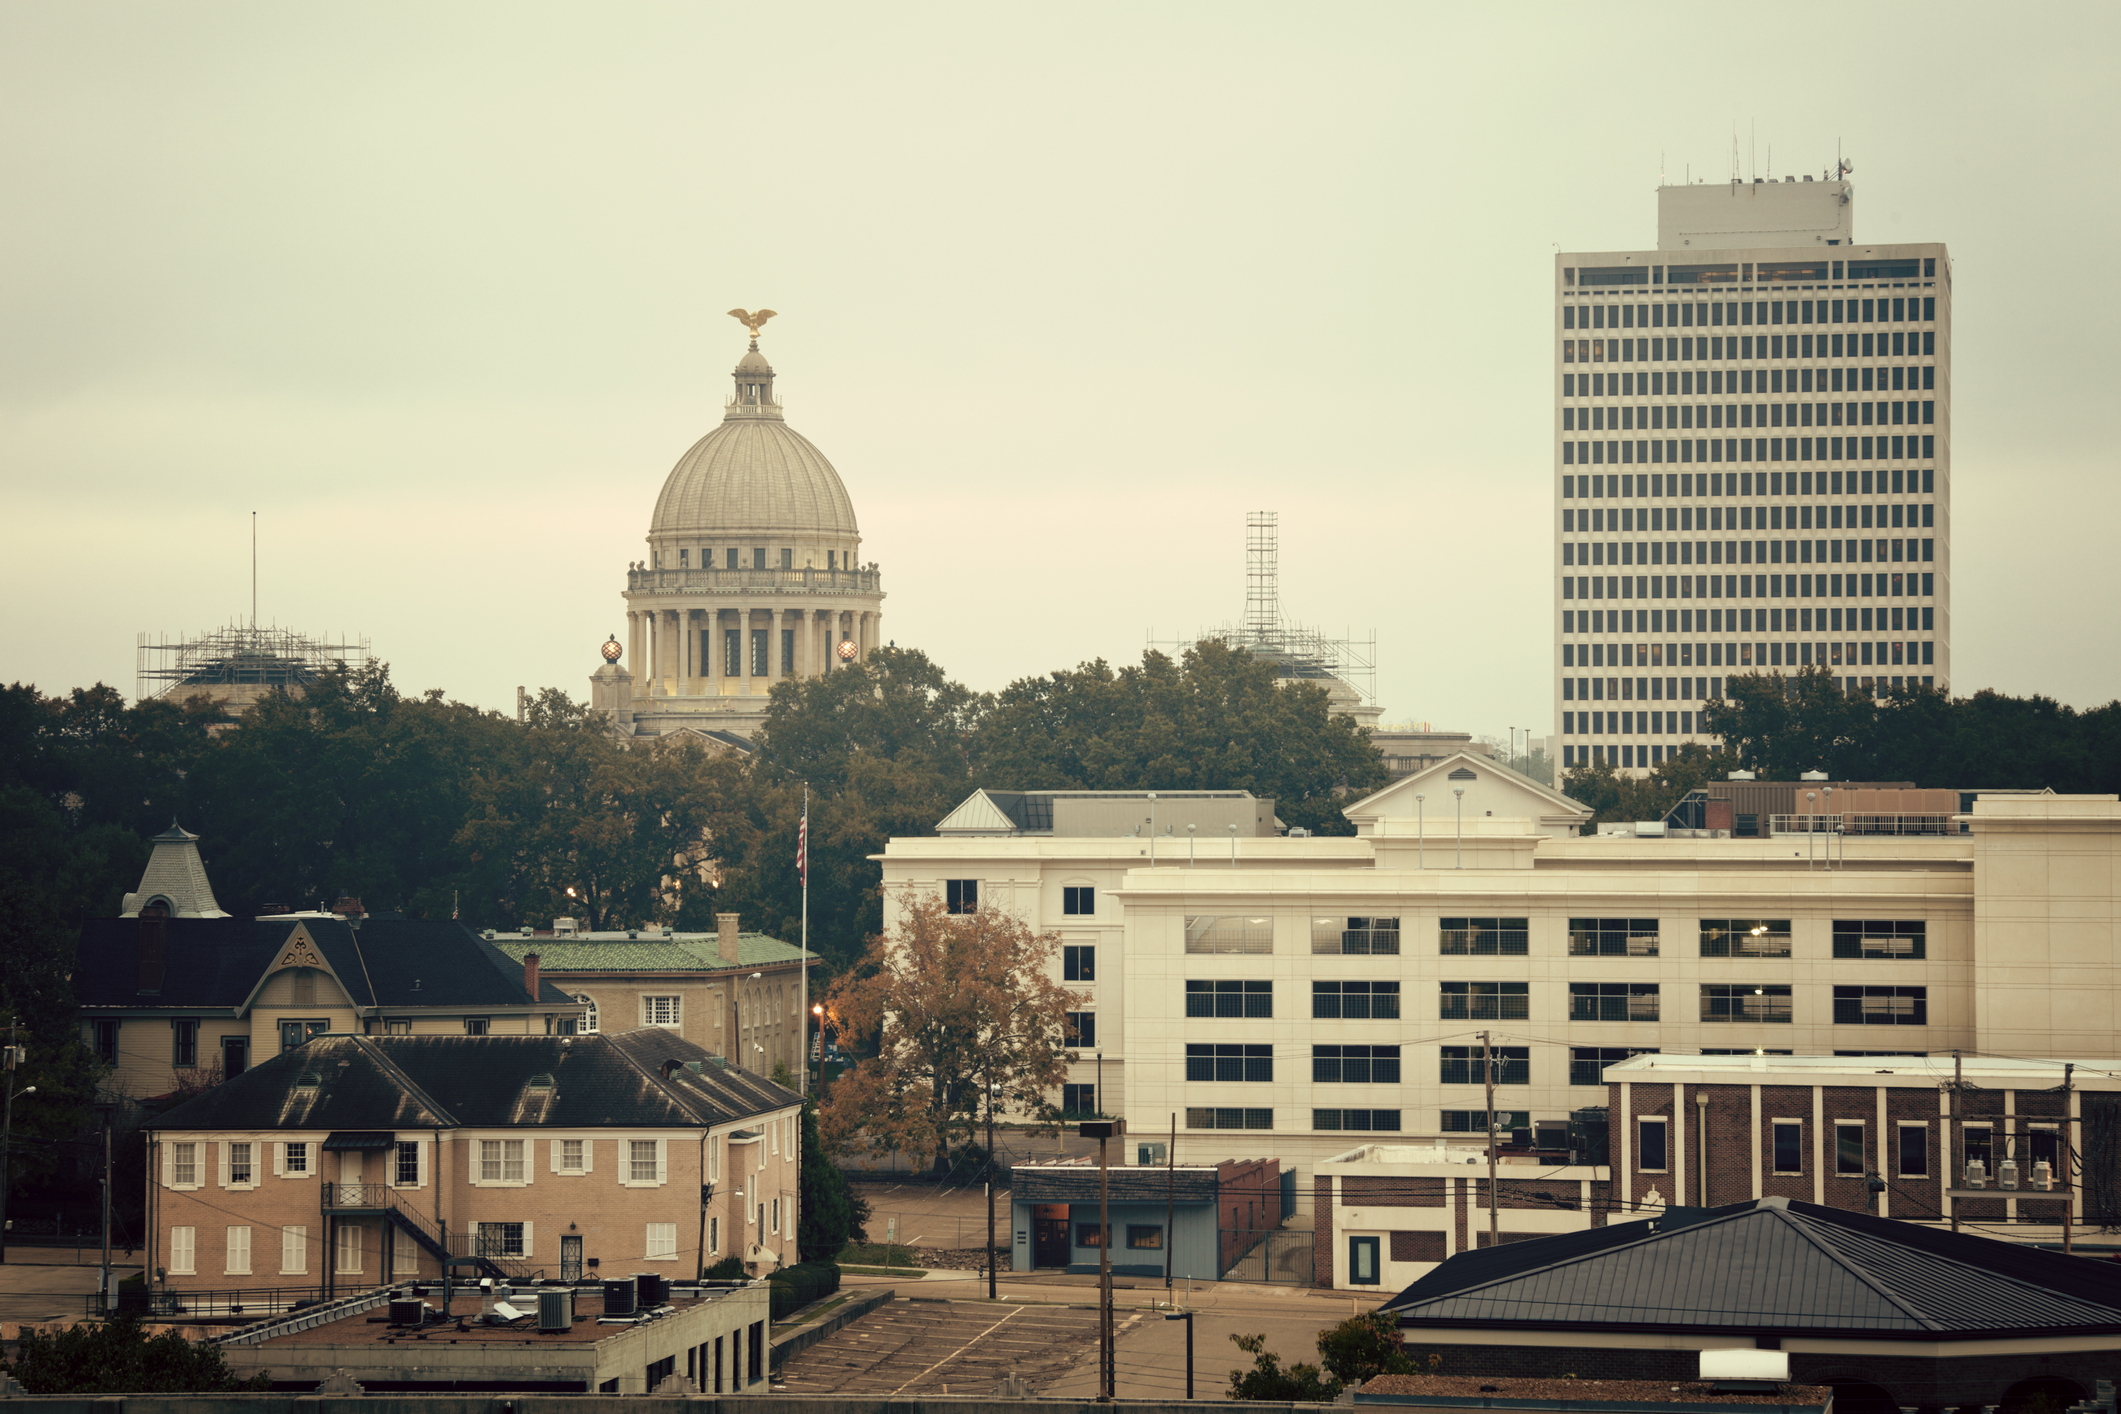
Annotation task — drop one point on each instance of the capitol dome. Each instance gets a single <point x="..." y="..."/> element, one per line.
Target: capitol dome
<point x="754" y="477"/>
<point x="754" y="578"/>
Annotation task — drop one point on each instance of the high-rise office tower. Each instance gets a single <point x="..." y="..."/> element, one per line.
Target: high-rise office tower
<point x="1752" y="463"/>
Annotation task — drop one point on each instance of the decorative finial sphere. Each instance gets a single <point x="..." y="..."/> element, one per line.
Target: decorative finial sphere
<point x="847" y="650"/>
<point x="612" y="650"/>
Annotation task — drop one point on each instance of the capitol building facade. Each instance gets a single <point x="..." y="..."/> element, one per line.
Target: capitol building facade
<point x="754" y="576"/>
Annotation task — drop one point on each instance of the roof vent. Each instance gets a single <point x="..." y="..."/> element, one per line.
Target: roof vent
<point x="1740" y="776"/>
<point x="540" y="1081"/>
<point x="1813" y="776"/>
<point x="308" y="1080"/>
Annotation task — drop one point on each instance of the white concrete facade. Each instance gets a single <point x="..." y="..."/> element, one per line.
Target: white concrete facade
<point x="1763" y="499"/>
<point x="1572" y="951"/>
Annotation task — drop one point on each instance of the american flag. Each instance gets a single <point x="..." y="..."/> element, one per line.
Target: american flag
<point x="802" y="850"/>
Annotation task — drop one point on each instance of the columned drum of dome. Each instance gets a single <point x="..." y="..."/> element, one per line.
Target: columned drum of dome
<point x="754" y="575"/>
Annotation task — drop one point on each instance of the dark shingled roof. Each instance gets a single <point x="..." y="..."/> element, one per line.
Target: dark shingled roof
<point x="1077" y="1183"/>
<point x="414" y="1082"/>
<point x="218" y="962"/>
<point x="1770" y="1266"/>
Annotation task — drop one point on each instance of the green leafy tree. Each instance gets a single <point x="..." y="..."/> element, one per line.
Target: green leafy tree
<point x="1268" y="1380"/>
<point x="1780" y="727"/>
<point x="119" y="1357"/>
<point x="963" y="1017"/>
<point x="832" y="1213"/>
<point x="1615" y="798"/>
<point x="1216" y="719"/>
<point x="1364" y="1346"/>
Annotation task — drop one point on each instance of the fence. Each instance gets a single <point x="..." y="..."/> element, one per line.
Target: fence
<point x="1279" y="1257"/>
<point x="243" y="1304"/>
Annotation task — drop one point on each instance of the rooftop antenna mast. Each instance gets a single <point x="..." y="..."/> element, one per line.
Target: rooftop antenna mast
<point x="254" y="569"/>
<point x="1262" y="577"/>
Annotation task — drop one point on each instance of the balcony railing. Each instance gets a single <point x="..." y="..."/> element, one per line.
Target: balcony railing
<point x="753" y="581"/>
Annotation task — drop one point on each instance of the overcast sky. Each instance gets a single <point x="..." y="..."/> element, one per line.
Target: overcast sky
<point x="1064" y="291"/>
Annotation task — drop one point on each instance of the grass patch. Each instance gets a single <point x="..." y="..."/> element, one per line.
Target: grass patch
<point x="884" y="1271"/>
<point x="876" y="1254"/>
<point x="810" y="1312"/>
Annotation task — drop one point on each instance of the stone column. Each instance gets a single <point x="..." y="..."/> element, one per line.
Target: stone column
<point x="743" y="648"/>
<point x="633" y="650"/>
<point x="711" y="670"/>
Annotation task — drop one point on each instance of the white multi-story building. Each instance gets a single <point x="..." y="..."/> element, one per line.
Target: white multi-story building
<point x="1308" y="993"/>
<point x="1752" y="463"/>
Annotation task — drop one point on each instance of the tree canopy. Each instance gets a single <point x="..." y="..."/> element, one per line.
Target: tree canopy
<point x="958" y="1011"/>
<point x="119" y="1357"/>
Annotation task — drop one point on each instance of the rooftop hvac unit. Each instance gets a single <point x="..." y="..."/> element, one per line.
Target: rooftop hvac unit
<point x="407" y="1312"/>
<point x="1976" y="1174"/>
<point x="2043" y="1175"/>
<point x="555" y="1310"/>
<point x="653" y="1288"/>
<point x="620" y="1297"/>
<point x="2007" y="1174"/>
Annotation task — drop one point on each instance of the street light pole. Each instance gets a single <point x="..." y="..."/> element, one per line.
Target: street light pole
<point x="7" y="1133"/>
<point x="106" y="1107"/>
<point x="1104" y="1131"/>
<point x="1460" y="792"/>
<point x="1487" y="1070"/>
<point x="1187" y="1317"/>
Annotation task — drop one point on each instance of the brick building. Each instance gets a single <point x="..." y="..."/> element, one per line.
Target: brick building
<point x="357" y="1160"/>
<point x="737" y="994"/>
<point x="1891" y="1135"/>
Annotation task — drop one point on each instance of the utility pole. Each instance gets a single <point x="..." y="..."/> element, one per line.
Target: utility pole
<point x="108" y="1304"/>
<point x="1487" y="1072"/>
<point x="991" y="1278"/>
<point x="1171" y="1206"/>
<point x="7" y="1135"/>
<point x="1104" y="1131"/>
<point x="2069" y="1199"/>
<point x="1954" y="1166"/>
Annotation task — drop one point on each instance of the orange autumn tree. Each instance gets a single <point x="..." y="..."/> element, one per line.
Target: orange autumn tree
<point x="958" y="1006"/>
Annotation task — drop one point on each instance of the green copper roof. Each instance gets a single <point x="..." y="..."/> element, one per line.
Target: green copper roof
<point x="682" y="952"/>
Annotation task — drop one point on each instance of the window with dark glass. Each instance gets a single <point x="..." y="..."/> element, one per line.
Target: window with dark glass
<point x="1848" y="1150"/>
<point x="1914" y="1146"/>
<point x="1080" y="1030"/>
<point x="1483" y="937"/>
<point x="1230" y="1063"/>
<point x="1359" y="936"/>
<point x="1355" y="1001"/>
<point x="1485" y="1001"/>
<point x="1228" y="1117"/>
<point x="1079" y="962"/>
<point x="1477" y="1121"/>
<point x="1355" y="1065"/>
<point x="1880" y="937"/>
<point x="1612" y="937"/>
<point x="1613" y="1001"/>
<point x="1462" y="1065"/>
<point x="961" y="895"/>
<point x="1789" y="1146"/>
<point x="1229" y="998"/>
<point x="1079" y="900"/>
<point x="1745" y="937"/>
<point x="1881" y="1006"/>
<point x="1372" y="1121"/>
<point x="1739" y="1001"/>
<point x="1651" y="1136"/>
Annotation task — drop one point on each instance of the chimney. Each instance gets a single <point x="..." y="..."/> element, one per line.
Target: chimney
<point x="530" y="975"/>
<point x="725" y="934"/>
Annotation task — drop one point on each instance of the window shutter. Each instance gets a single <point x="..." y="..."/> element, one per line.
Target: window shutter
<point x="169" y="1164"/>
<point x="526" y="1242"/>
<point x="224" y="1163"/>
<point x="471" y="1162"/>
<point x="555" y="1156"/>
<point x="589" y="1156"/>
<point x="279" y="1160"/>
<point x="662" y="1162"/>
<point x="420" y="1172"/>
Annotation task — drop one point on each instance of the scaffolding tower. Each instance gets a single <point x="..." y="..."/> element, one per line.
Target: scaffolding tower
<point x="239" y="663"/>
<point x="1297" y="651"/>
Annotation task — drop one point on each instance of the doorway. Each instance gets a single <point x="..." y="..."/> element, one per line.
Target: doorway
<point x="235" y="1056"/>
<point x="1362" y="1262"/>
<point x="1049" y="1235"/>
<point x="570" y="1257"/>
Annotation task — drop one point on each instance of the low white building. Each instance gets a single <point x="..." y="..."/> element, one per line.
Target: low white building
<point x="1325" y="991"/>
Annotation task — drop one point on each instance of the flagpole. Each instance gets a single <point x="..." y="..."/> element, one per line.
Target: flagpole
<point x="804" y="961"/>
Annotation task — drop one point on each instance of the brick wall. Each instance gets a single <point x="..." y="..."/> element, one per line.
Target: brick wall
<point x="1417" y="1247"/>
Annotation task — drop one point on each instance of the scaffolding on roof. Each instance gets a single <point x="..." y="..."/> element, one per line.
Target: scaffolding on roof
<point x="1296" y="650"/>
<point x="238" y="663"/>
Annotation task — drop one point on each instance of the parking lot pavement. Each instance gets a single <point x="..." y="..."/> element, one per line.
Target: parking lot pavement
<point x="40" y="1291"/>
<point x="942" y="1347"/>
<point x="1150" y="1351"/>
<point x="925" y="1215"/>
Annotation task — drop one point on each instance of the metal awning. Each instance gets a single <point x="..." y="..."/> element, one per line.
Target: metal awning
<point x="360" y="1139"/>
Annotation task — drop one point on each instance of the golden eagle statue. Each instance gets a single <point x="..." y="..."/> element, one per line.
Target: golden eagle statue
<point x="751" y="319"/>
